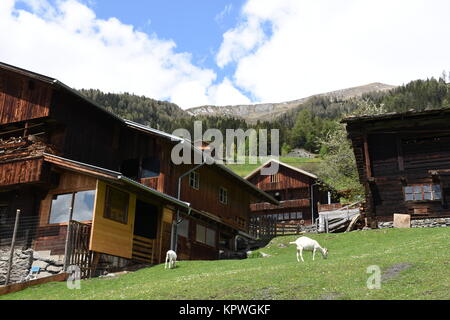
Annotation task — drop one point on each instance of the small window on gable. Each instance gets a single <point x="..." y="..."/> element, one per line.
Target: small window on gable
<point x="275" y="178"/>
<point x="422" y="192"/>
<point x="194" y="180"/>
<point x="223" y="195"/>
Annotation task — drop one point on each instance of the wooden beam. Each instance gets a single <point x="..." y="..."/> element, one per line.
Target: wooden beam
<point x="401" y="164"/>
<point x="367" y="158"/>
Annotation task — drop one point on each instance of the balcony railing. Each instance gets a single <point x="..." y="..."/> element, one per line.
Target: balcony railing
<point x="151" y="182"/>
<point x="283" y="204"/>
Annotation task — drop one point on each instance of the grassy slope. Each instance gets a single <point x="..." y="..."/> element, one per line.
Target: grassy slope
<point x="342" y="276"/>
<point x="302" y="163"/>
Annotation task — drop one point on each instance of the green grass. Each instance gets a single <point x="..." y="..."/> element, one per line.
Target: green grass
<point x="310" y="165"/>
<point x="341" y="276"/>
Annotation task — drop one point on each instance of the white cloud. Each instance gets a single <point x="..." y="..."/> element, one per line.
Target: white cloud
<point x="322" y="45"/>
<point x="221" y="15"/>
<point x="67" y="41"/>
<point x="226" y="94"/>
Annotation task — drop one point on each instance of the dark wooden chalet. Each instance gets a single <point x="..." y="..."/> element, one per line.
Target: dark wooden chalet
<point x="299" y="193"/>
<point x="403" y="162"/>
<point x="62" y="156"/>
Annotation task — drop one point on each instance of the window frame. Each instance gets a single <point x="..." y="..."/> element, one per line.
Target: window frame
<point x="204" y="241"/>
<point x="223" y="195"/>
<point x="184" y="221"/>
<point x="432" y="192"/>
<point x="194" y="180"/>
<point x="106" y="206"/>
<point x="72" y="204"/>
<point x="275" y="178"/>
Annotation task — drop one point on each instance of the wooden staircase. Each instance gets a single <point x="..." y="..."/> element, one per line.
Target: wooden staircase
<point x="144" y="250"/>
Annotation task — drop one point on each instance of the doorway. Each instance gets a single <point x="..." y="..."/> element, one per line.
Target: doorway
<point x="146" y="220"/>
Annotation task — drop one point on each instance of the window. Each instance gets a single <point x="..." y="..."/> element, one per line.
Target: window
<point x="205" y="235"/>
<point x="210" y="237"/>
<point x="83" y="207"/>
<point x="240" y="221"/>
<point x="116" y="205"/>
<point x="223" y="195"/>
<point x="200" y="234"/>
<point x="194" y="180"/>
<point x="150" y="167"/>
<point x="422" y="192"/>
<point x="130" y="168"/>
<point x="183" y="228"/>
<point x="275" y="178"/>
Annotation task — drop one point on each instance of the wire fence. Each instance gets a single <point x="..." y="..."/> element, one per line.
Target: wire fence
<point x="25" y="243"/>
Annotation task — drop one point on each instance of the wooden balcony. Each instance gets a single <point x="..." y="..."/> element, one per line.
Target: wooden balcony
<point x="297" y="203"/>
<point x="282" y="185"/>
<point x="151" y="182"/>
<point x="21" y="171"/>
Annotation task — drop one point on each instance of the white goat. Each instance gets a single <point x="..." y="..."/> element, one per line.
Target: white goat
<point x="305" y="243"/>
<point x="171" y="259"/>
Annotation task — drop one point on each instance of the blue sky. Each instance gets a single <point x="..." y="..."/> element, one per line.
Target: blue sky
<point x="196" y="26"/>
<point x="222" y="52"/>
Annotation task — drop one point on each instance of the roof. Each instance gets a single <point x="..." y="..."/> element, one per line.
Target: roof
<point x="102" y="173"/>
<point x="282" y="164"/>
<point x="255" y="190"/>
<point x="397" y="115"/>
<point x="146" y="129"/>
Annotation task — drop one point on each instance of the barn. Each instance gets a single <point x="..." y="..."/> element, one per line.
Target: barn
<point x="403" y="161"/>
<point x="298" y="191"/>
<point x="91" y="187"/>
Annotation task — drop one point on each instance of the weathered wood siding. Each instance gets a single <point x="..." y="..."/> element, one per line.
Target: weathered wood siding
<point x="21" y="171"/>
<point x="165" y="230"/>
<point x="22" y="99"/>
<point x="293" y="189"/>
<point x="395" y="153"/>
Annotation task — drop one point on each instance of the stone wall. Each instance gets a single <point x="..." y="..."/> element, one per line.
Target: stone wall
<point x="23" y="261"/>
<point x="420" y="223"/>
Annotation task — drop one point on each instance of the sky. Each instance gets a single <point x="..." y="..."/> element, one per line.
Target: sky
<point x="226" y="52"/>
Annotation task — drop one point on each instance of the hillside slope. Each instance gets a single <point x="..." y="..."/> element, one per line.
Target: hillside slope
<point x="269" y="111"/>
<point x="415" y="264"/>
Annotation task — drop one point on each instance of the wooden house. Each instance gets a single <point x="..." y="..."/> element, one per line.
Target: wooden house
<point x="64" y="158"/>
<point x="403" y="163"/>
<point x="298" y="191"/>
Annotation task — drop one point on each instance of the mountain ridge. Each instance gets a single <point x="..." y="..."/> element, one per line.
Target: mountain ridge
<point x="269" y="111"/>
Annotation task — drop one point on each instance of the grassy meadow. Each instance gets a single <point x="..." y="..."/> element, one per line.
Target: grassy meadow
<point x="415" y="264"/>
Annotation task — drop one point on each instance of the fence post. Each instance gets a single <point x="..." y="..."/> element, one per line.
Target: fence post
<point x="13" y="243"/>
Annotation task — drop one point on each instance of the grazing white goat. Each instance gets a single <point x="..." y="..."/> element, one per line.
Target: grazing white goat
<point x="171" y="259"/>
<point x="305" y="243"/>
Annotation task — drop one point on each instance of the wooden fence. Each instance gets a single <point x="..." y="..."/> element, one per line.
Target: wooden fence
<point x="265" y="227"/>
<point x="79" y="253"/>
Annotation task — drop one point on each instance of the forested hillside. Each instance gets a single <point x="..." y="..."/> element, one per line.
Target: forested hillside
<point x="150" y="112"/>
<point x="313" y="125"/>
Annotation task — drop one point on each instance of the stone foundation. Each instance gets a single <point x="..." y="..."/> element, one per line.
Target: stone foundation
<point x="420" y="223"/>
<point x="23" y="261"/>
